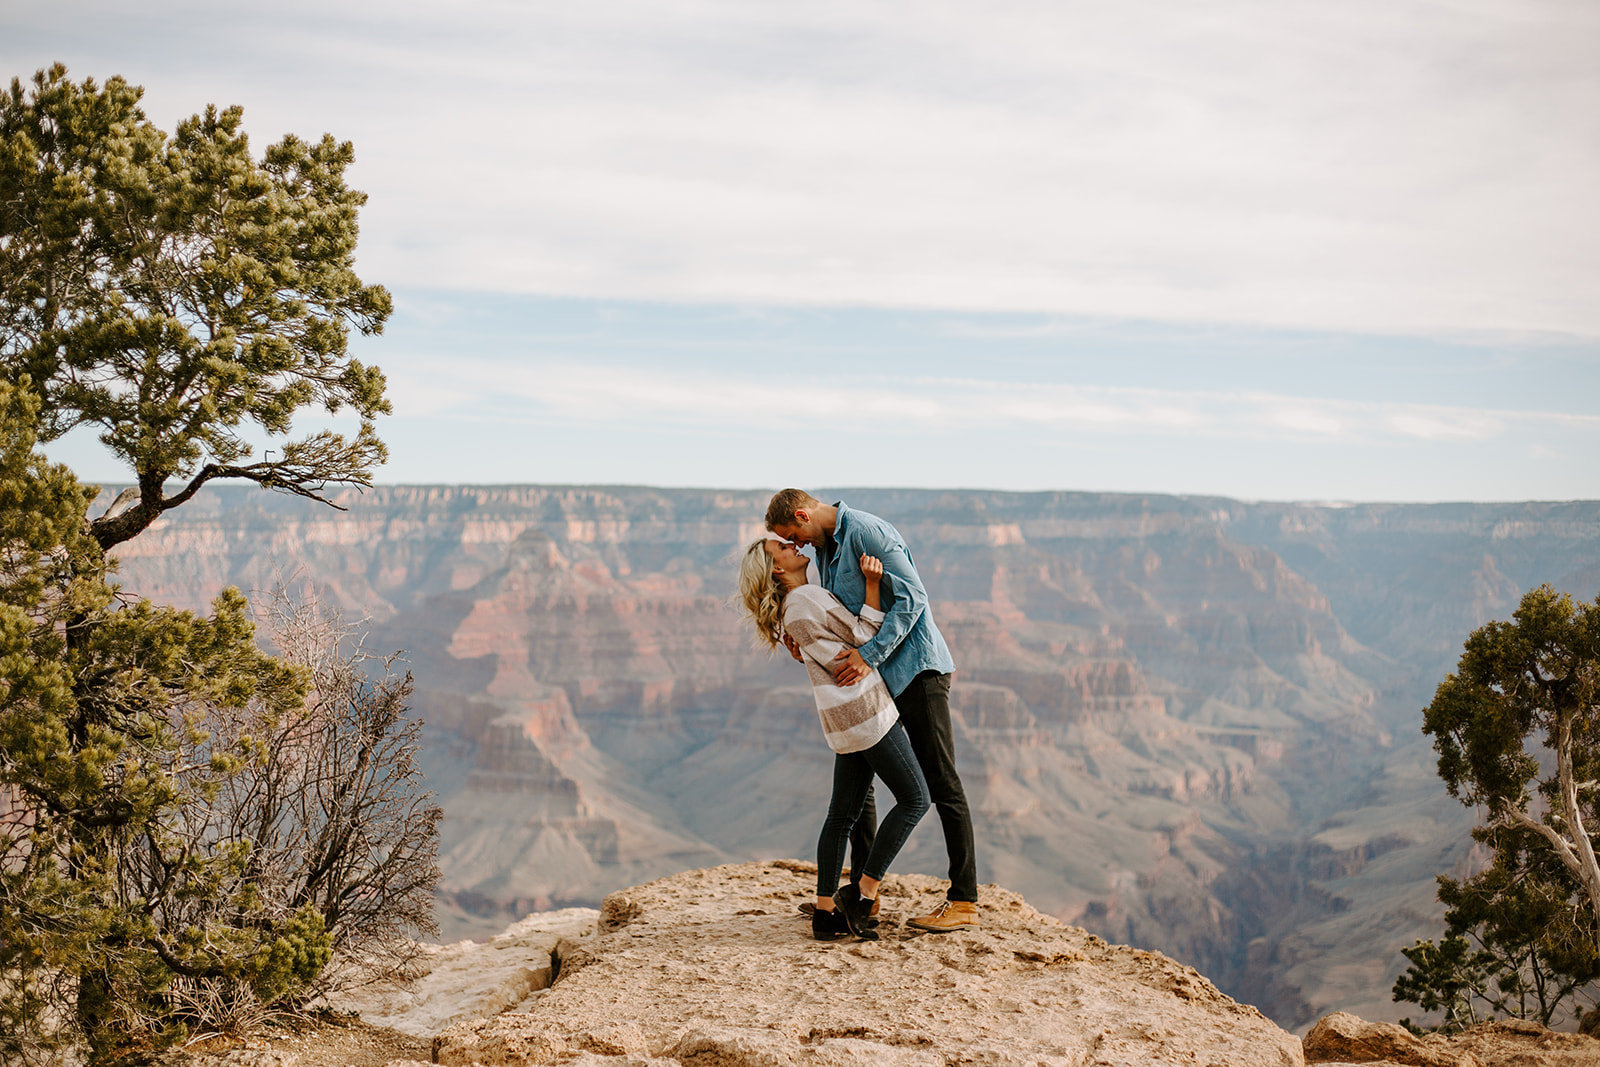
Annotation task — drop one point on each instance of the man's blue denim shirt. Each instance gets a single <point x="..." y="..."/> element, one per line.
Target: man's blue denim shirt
<point x="908" y="642"/>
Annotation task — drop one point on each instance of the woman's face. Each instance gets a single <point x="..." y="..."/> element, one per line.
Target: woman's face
<point x="786" y="557"/>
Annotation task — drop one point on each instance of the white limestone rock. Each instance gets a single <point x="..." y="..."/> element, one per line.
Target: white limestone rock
<point x="469" y="979"/>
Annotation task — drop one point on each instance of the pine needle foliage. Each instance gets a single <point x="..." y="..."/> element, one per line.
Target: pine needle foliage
<point x="103" y="704"/>
<point x="179" y="294"/>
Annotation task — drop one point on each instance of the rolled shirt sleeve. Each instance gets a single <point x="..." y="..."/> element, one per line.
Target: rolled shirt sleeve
<point x="903" y="594"/>
<point x="863" y="628"/>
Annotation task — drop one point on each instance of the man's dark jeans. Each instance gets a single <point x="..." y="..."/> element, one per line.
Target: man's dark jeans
<point x="925" y="711"/>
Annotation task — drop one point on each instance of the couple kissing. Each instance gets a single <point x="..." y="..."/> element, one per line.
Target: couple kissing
<point x="880" y="673"/>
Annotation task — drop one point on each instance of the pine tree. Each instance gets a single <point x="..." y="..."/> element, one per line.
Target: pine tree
<point x="102" y="699"/>
<point x="1517" y="729"/>
<point x="180" y="295"/>
<point x="221" y="285"/>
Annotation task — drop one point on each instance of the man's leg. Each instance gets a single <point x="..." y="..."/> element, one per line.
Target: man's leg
<point x="925" y="710"/>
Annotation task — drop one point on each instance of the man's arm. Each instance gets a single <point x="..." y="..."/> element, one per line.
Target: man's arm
<point x="910" y="601"/>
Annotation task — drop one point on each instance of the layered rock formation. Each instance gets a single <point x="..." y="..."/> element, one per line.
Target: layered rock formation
<point x="1186" y="723"/>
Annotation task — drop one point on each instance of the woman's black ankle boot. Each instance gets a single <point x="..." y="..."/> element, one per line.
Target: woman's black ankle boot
<point x="857" y="912"/>
<point x="828" y="925"/>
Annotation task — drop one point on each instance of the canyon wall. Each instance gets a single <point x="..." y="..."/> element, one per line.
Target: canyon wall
<point x="1186" y="723"/>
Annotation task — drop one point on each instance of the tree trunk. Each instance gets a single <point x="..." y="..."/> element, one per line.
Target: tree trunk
<point x="1588" y="867"/>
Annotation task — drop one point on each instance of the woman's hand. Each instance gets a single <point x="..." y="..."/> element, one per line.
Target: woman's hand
<point x="848" y="666"/>
<point x="872" y="575"/>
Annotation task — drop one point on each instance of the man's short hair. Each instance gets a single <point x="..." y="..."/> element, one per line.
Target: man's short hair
<point x="783" y="505"/>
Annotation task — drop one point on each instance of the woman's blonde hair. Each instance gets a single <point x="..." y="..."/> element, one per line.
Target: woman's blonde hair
<point x="762" y="594"/>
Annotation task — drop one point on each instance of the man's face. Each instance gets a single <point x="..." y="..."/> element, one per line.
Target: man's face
<point x="805" y="530"/>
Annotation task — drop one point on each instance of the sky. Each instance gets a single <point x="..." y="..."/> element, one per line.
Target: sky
<point x="1267" y="249"/>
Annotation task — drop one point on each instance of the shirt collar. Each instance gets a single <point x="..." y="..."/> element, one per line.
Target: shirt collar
<point x="841" y="513"/>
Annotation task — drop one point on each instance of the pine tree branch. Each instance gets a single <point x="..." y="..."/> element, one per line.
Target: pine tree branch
<point x="180" y="965"/>
<point x="1516" y="817"/>
<point x="307" y="470"/>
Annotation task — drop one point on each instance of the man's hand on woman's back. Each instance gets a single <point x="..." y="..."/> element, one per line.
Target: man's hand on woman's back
<point x="849" y="668"/>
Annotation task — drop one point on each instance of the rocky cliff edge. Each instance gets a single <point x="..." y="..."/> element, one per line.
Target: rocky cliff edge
<point x="716" y="967"/>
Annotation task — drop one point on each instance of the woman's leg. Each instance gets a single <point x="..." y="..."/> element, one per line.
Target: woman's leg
<point x="893" y="760"/>
<point x="852" y="774"/>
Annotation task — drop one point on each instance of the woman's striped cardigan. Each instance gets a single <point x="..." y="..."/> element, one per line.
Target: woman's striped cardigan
<point x="854" y="717"/>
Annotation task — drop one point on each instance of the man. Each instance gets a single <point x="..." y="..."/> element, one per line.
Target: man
<point x="910" y="654"/>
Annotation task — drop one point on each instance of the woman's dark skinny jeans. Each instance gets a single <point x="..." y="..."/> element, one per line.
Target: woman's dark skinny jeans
<point x="892" y="760"/>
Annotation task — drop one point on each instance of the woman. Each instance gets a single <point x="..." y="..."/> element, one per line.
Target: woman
<point x="860" y="722"/>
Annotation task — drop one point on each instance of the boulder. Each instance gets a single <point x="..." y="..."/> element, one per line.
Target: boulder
<point x="1345" y="1038"/>
<point x="469" y="979"/>
<point x="1341" y="1038"/>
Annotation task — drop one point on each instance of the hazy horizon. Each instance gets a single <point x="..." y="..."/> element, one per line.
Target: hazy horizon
<point x="843" y="491"/>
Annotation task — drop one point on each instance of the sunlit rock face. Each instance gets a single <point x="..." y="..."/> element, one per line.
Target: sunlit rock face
<point x="715" y="966"/>
<point x="1189" y="724"/>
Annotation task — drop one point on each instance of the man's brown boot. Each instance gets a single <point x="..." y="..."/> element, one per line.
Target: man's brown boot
<point x="951" y="915"/>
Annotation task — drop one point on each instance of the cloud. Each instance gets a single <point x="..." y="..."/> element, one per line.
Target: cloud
<point x="1435" y="425"/>
<point x="1370" y="165"/>
<point x="1301" y="418"/>
<point x="591" y="394"/>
